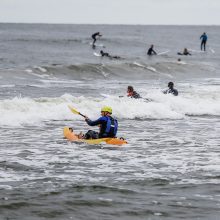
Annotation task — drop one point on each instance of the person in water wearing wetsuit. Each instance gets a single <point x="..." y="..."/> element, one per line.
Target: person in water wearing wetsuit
<point x="104" y="54"/>
<point x="151" y="51"/>
<point x="171" y="90"/>
<point x="94" y="37"/>
<point x="131" y="93"/>
<point x="185" y="52"/>
<point x="108" y="125"/>
<point x="203" y="39"/>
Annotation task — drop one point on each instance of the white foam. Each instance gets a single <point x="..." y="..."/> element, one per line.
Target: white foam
<point x="29" y="70"/>
<point x="151" y="68"/>
<point x="7" y="86"/>
<point x="43" y="70"/>
<point x="145" y="67"/>
<point x="213" y="51"/>
<point x="19" y="111"/>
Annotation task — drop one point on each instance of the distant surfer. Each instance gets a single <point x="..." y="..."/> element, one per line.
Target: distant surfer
<point x="108" y="125"/>
<point x="94" y="37"/>
<point x="203" y="39"/>
<point x="185" y="52"/>
<point x="104" y="54"/>
<point x="132" y="93"/>
<point x="171" y="90"/>
<point x="151" y="51"/>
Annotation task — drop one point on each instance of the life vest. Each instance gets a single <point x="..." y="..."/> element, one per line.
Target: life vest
<point x="111" y="127"/>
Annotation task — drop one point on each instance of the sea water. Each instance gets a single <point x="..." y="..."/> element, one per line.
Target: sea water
<point x="170" y="168"/>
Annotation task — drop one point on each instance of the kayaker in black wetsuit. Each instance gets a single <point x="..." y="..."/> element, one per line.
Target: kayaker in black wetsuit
<point x="104" y="54"/>
<point x="171" y="90"/>
<point x="94" y="37"/>
<point x="203" y="39"/>
<point x="108" y="125"/>
<point x="131" y="93"/>
<point x="185" y="52"/>
<point x="151" y="51"/>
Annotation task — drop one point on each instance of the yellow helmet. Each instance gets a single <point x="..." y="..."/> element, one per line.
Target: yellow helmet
<point x="106" y="109"/>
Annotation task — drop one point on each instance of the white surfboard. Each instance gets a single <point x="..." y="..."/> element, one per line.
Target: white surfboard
<point x="164" y="52"/>
<point x="98" y="45"/>
<point x="97" y="54"/>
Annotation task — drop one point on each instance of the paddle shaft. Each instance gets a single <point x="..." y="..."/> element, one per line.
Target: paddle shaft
<point x="82" y="115"/>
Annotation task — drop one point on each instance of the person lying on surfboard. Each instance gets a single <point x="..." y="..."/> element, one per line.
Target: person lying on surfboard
<point x="185" y="52"/>
<point x="104" y="54"/>
<point x="108" y="125"/>
<point x="171" y="90"/>
<point x="94" y="37"/>
<point x="131" y="93"/>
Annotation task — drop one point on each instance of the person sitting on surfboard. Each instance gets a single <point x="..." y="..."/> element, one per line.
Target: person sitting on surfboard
<point x="151" y="51"/>
<point x="185" y="52"/>
<point x="131" y="93"/>
<point x="108" y="125"/>
<point x="171" y="90"/>
<point x="104" y="54"/>
<point x="94" y="36"/>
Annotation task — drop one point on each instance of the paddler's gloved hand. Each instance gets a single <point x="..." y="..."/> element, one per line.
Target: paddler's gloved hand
<point x="86" y="118"/>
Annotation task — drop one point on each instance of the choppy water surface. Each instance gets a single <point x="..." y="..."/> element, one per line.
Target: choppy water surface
<point x="170" y="167"/>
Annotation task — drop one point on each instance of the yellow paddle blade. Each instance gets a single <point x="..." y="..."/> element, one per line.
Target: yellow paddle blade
<point x="73" y="110"/>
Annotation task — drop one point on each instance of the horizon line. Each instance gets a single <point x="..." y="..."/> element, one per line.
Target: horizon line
<point x="47" y="23"/>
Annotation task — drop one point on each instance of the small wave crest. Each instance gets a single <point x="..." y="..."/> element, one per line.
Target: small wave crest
<point x="20" y="111"/>
<point x="125" y="69"/>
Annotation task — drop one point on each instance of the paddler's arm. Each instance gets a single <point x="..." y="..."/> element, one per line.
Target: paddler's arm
<point x="94" y="123"/>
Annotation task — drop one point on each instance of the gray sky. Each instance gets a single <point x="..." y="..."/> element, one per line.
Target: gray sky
<point x="201" y="12"/>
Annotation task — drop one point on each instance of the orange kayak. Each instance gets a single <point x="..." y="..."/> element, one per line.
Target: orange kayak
<point x="71" y="136"/>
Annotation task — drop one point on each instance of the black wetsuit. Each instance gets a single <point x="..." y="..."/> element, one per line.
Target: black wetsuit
<point x="184" y="53"/>
<point x="104" y="54"/>
<point x="151" y="51"/>
<point x="94" y="37"/>
<point x="172" y="91"/>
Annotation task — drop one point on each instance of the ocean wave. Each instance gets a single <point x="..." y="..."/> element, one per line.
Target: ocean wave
<point x="128" y="69"/>
<point x="30" y="111"/>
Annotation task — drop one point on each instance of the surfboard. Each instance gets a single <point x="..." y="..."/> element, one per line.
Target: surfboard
<point x="97" y="54"/>
<point x="164" y="52"/>
<point x="98" y="45"/>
